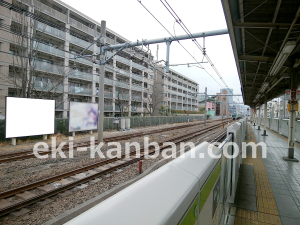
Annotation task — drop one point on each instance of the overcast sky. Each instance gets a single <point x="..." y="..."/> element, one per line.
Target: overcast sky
<point x="129" y="19"/>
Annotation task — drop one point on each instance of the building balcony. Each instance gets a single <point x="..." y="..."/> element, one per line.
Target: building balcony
<point x="109" y="68"/>
<point x="48" y="49"/>
<point x="43" y="86"/>
<point x="80" y="90"/>
<point x="137" y="77"/>
<point x="136" y="98"/>
<point x="174" y="99"/>
<point x="123" y="72"/>
<point x="59" y="105"/>
<point x="136" y="88"/>
<point x="82" y="27"/>
<point x="78" y="41"/>
<point x="136" y="109"/>
<point x="108" y="40"/>
<point x="49" y="68"/>
<point x="122" y="85"/>
<point x="123" y="60"/>
<point x="137" y="66"/>
<point x="122" y="97"/>
<point x="81" y="75"/>
<point x="81" y="60"/>
<point x="50" y="30"/>
<point x="106" y="81"/>
<point x="108" y="94"/>
<point x="49" y="11"/>
<point x="108" y="108"/>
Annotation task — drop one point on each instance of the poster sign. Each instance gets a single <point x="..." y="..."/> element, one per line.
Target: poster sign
<point x="28" y="117"/>
<point x="83" y="116"/>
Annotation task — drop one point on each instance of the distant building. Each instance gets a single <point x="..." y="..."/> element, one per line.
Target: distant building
<point x="222" y="103"/>
<point x="230" y="92"/>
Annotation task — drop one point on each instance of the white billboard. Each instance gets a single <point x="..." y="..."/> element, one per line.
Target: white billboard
<point x="83" y="116"/>
<point x="28" y="117"/>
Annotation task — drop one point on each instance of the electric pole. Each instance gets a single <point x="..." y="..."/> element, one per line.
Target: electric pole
<point x="205" y="112"/>
<point x="101" y="82"/>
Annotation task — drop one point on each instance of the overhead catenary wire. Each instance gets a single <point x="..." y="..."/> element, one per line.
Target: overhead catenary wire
<point x="184" y="27"/>
<point x="184" y="47"/>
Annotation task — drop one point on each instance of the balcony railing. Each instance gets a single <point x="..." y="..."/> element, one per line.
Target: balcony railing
<point x="123" y="85"/>
<point x="80" y="90"/>
<point x="82" y="27"/>
<point x="59" y="105"/>
<point x="123" y="60"/>
<point x="136" y="98"/>
<point x="137" y="77"/>
<point x="108" y="40"/>
<point x="82" y="60"/>
<point x="80" y="42"/>
<point x="49" y="11"/>
<point x="108" y="94"/>
<point x="126" y="73"/>
<point x="48" y="49"/>
<point x="81" y="75"/>
<point x="136" y="88"/>
<point x="107" y="81"/>
<point x="108" y="108"/>
<point x="47" y="67"/>
<point x="122" y="97"/>
<point x="43" y="86"/>
<point x="174" y="99"/>
<point x="50" y="30"/>
<point x="138" y="66"/>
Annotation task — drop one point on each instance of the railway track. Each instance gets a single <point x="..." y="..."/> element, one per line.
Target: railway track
<point x="29" y="154"/>
<point x="90" y="174"/>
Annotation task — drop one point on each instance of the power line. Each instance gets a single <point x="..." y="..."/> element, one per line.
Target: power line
<point x="184" y="27"/>
<point x="178" y="42"/>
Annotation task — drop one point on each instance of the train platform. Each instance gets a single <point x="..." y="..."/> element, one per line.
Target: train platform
<point x="269" y="188"/>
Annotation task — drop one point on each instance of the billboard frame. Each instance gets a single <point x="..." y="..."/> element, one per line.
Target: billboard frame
<point x="70" y="116"/>
<point x="54" y="127"/>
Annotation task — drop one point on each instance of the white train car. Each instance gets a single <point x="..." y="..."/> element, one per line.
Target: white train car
<point x="187" y="190"/>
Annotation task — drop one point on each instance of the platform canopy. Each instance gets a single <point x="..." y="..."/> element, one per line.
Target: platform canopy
<point x="265" y="41"/>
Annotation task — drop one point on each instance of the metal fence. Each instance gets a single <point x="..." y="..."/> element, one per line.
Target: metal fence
<point x="62" y="125"/>
<point x="282" y="126"/>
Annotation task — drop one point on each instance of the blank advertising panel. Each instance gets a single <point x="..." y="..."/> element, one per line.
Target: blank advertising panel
<point x="83" y="116"/>
<point x="29" y="117"/>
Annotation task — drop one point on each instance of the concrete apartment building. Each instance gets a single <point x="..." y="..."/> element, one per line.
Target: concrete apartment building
<point x="178" y="92"/>
<point x="56" y="33"/>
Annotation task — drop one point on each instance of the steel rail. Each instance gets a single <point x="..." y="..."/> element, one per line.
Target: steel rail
<point x="29" y="154"/>
<point x="40" y="197"/>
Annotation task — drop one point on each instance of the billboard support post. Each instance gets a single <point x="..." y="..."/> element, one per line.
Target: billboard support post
<point x="73" y="134"/>
<point x="44" y="137"/>
<point x="14" y="141"/>
<point x="101" y="82"/>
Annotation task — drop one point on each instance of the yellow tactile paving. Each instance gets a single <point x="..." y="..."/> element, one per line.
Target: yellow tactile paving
<point x="247" y="214"/>
<point x="267" y="209"/>
<point x="268" y="218"/>
<point x="243" y="221"/>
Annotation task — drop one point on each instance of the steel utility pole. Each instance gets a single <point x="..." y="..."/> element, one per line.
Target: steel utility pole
<point x="205" y="111"/>
<point x="101" y="82"/>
